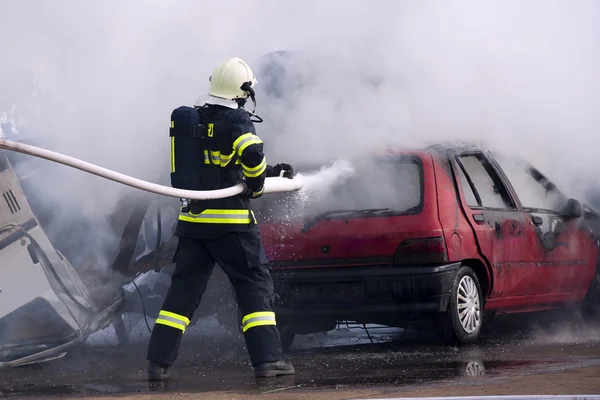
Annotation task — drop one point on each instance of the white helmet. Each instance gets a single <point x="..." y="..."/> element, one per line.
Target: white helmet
<point x="228" y="79"/>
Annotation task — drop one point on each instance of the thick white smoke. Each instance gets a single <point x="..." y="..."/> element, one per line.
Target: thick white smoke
<point x="519" y="76"/>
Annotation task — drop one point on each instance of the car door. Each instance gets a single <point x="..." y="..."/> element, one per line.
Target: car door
<point x="505" y="237"/>
<point x="568" y="247"/>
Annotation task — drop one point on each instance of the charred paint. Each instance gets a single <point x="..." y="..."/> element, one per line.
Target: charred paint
<point x="507" y="228"/>
<point x="548" y="228"/>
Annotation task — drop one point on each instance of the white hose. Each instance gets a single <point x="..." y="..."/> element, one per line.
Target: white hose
<point x="272" y="185"/>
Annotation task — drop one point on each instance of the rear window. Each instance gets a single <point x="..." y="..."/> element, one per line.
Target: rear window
<point x="389" y="182"/>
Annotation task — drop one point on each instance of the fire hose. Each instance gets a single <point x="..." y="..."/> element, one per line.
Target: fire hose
<point x="272" y="184"/>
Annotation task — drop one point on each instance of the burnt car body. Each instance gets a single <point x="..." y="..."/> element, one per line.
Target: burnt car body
<point x="453" y="234"/>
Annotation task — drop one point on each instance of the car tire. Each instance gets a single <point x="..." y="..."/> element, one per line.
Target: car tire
<point x="462" y="323"/>
<point x="287" y="336"/>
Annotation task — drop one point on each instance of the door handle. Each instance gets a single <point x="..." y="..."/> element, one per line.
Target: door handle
<point x="479" y="218"/>
<point x="537" y="220"/>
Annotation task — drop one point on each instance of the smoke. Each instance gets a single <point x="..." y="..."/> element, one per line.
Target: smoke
<point x="519" y="77"/>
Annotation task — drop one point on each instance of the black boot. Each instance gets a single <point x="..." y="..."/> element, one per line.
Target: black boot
<point x="157" y="372"/>
<point x="273" y="368"/>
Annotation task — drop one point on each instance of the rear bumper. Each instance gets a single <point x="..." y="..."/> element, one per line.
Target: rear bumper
<point x="347" y="292"/>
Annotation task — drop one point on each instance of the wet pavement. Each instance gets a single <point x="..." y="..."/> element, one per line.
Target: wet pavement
<point x="213" y="360"/>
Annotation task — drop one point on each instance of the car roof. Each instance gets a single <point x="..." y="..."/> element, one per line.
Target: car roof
<point x="432" y="149"/>
<point x="435" y="149"/>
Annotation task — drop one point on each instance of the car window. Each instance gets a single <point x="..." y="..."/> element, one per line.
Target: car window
<point x="468" y="191"/>
<point x="374" y="182"/>
<point x="530" y="191"/>
<point x="394" y="184"/>
<point x="487" y="184"/>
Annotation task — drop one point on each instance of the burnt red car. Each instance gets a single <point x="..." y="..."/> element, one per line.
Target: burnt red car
<point x="444" y="234"/>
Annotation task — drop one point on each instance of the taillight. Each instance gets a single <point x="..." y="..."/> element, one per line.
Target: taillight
<point x="421" y="251"/>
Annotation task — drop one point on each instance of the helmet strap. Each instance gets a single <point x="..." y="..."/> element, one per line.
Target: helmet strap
<point x="247" y="87"/>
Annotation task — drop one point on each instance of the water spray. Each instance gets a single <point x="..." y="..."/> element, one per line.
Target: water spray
<point x="272" y="185"/>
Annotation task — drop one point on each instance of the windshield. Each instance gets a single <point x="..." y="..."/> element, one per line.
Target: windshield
<point x="386" y="182"/>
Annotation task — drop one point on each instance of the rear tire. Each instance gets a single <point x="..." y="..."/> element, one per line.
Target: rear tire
<point x="461" y="324"/>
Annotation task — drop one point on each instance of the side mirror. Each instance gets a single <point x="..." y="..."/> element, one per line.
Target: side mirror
<point x="572" y="209"/>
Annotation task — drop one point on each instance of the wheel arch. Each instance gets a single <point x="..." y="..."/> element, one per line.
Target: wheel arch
<point x="484" y="276"/>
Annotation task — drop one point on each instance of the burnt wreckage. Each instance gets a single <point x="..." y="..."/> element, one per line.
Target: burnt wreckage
<point x="55" y="305"/>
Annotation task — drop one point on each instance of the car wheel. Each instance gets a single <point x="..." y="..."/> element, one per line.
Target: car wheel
<point x="287" y="336"/>
<point x="463" y="320"/>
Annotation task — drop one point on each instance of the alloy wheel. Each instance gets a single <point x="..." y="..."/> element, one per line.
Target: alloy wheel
<point x="468" y="307"/>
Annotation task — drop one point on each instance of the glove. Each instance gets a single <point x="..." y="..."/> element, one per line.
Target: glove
<point x="287" y="168"/>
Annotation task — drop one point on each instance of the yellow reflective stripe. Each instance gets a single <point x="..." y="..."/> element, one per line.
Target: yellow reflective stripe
<point x="259" y="192"/>
<point x="217" y="220"/>
<point x="215" y="157"/>
<point x="255" y="171"/>
<point x="258" y="314"/>
<point x="215" y="211"/>
<point x="176" y="325"/>
<point x="244" y="141"/>
<point x="172" y="320"/>
<point x="259" y="166"/>
<point x="172" y="152"/>
<point x="241" y="139"/>
<point x="178" y="317"/>
<point x="262" y="318"/>
<point x="225" y="159"/>
<point x="258" y="323"/>
<point x="212" y="216"/>
<point x="248" y="143"/>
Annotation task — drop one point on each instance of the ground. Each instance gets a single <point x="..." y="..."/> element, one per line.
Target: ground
<point x="524" y="355"/>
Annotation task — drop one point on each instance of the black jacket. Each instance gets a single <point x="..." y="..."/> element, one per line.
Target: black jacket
<point x="232" y="152"/>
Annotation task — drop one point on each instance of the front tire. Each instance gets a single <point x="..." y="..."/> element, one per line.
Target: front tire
<point x="461" y="324"/>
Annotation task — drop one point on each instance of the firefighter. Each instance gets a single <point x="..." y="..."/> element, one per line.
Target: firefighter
<point x="224" y="231"/>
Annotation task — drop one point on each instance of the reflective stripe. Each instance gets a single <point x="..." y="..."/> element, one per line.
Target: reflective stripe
<point x="172" y="320"/>
<point x="260" y="318"/>
<point x="259" y="192"/>
<point x="255" y="171"/>
<point x="211" y="216"/>
<point x="215" y="157"/>
<point x="225" y="159"/>
<point x="220" y="159"/>
<point x="172" y="152"/>
<point x="244" y="141"/>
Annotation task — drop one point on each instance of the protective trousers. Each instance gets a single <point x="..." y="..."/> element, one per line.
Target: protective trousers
<point x="241" y="256"/>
